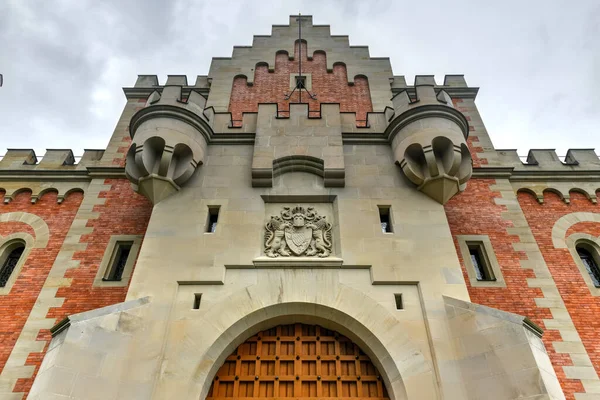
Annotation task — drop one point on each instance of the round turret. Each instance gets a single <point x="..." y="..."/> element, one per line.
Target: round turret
<point x="169" y="143"/>
<point x="428" y="138"/>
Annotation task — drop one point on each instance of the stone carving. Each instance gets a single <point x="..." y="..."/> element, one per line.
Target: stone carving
<point x="298" y="232"/>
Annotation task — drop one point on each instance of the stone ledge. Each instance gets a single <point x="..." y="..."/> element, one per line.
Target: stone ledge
<point x="297" y="262"/>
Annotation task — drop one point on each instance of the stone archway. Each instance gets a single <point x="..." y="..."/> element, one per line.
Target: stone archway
<point x="300" y="361"/>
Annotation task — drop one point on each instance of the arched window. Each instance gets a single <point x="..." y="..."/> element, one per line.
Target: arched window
<point x="591" y="264"/>
<point x="9" y="262"/>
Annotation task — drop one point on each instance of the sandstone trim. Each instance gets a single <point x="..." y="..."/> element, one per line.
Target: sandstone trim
<point x="27" y="342"/>
<point x="571" y="344"/>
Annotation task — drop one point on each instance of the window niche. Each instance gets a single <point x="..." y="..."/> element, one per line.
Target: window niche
<point x="480" y="261"/>
<point x="119" y="258"/>
<point x="11" y="260"/>
<point x="385" y="219"/>
<point x="212" y="219"/>
<point x="589" y="259"/>
<point x="585" y="251"/>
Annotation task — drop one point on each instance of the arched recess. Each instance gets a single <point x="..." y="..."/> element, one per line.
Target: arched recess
<point x="386" y="344"/>
<point x="300" y="361"/>
<point x="298" y="163"/>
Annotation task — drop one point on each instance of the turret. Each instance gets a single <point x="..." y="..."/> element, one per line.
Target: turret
<point x="428" y="137"/>
<point x="169" y="142"/>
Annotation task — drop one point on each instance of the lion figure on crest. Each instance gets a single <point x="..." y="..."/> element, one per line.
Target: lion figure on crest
<point x="298" y="232"/>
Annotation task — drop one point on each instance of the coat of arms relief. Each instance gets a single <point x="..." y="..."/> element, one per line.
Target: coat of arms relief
<point x="298" y="231"/>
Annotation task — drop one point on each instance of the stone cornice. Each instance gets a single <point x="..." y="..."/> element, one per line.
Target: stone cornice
<point x="535" y="175"/>
<point x="188" y="117"/>
<point x="426" y="111"/>
<point x="145" y="92"/>
<point x="64" y="175"/>
<point x="456" y="92"/>
<point x="89" y="173"/>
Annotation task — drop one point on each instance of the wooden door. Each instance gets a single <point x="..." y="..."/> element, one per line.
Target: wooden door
<point x="304" y="362"/>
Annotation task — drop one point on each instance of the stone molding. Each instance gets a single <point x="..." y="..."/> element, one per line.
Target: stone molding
<point x="491" y="258"/>
<point x="298" y="232"/>
<point x="562" y="225"/>
<point x="6" y="243"/>
<point x="107" y="260"/>
<point x="591" y="241"/>
<point x="571" y="343"/>
<point x="15" y="367"/>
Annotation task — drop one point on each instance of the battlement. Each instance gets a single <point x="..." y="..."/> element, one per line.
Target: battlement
<point x="53" y="159"/>
<point x="541" y="160"/>
<point x="454" y="85"/>
<point x="151" y="81"/>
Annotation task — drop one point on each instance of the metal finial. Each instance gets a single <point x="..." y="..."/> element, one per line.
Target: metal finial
<point x="300" y="81"/>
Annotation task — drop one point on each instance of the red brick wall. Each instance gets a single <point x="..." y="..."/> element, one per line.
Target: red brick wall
<point x="473" y="139"/>
<point x="330" y="87"/>
<point x="16" y="306"/>
<point x="582" y="306"/>
<point x="123" y="213"/>
<point x="474" y="212"/>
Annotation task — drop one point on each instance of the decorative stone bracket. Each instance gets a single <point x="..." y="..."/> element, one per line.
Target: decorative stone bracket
<point x="428" y="138"/>
<point x="169" y="142"/>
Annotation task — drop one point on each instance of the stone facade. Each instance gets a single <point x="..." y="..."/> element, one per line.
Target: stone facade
<point x="220" y="210"/>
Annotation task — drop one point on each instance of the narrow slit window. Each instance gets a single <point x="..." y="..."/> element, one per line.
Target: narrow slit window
<point x="9" y="264"/>
<point x="480" y="263"/>
<point x="399" y="303"/>
<point x="213" y="218"/>
<point x="118" y="262"/>
<point x="300" y="81"/>
<point x="197" y="299"/>
<point x="591" y="265"/>
<point x="385" y="219"/>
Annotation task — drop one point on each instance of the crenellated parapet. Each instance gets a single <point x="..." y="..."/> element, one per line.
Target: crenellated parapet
<point x="21" y="170"/>
<point x="544" y="171"/>
<point x="169" y="139"/>
<point x="298" y="143"/>
<point x="428" y="138"/>
<point x="283" y="39"/>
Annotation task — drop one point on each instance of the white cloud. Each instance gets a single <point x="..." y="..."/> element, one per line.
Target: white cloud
<point x="64" y="63"/>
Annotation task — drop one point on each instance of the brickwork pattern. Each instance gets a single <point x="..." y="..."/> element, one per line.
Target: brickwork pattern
<point x="109" y="207"/>
<point x="16" y="306"/>
<point x="116" y="151"/>
<point x="476" y="130"/>
<point x="330" y="87"/>
<point x="530" y="288"/>
<point x="582" y="306"/>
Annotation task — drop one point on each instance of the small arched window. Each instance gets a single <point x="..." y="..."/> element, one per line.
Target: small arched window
<point x="10" y="261"/>
<point x="591" y="264"/>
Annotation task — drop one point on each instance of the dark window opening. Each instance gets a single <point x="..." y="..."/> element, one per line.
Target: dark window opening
<point x="119" y="261"/>
<point x="590" y="264"/>
<point x="9" y="264"/>
<point x="399" y="303"/>
<point x="301" y="81"/>
<point x="197" y="298"/>
<point x="213" y="218"/>
<point x="483" y="271"/>
<point x="385" y="219"/>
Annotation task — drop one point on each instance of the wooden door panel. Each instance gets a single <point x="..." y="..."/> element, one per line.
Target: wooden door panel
<point x="306" y="362"/>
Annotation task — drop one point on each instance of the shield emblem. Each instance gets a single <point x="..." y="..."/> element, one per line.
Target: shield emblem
<point x="298" y="239"/>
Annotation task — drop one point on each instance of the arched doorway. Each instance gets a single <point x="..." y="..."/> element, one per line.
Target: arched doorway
<point x="301" y="361"/>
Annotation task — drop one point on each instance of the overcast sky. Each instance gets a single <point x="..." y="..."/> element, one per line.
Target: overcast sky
<point x="65" y="62"/>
